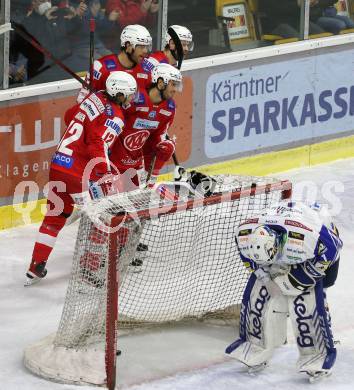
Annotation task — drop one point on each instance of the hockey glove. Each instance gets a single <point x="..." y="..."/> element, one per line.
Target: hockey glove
<point x="103" y="187"/>
<point x="180" y="174"/>
<point x="164" y="150"/>
<point x="203" y="183"/>
<point x="263" y="275"/>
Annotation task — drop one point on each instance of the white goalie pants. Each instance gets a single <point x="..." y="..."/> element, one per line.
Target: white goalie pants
<point x="263" y="326"/>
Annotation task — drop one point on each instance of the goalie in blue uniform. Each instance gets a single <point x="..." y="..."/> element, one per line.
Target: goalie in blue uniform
<point x="292" y="251"/>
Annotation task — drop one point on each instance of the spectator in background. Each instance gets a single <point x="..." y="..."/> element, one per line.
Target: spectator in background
<point x="24" y="60"/>
<point x="125" y="12"/>
<point x="324" y="13"/>
<point x="51" y="23"/>
<point x="81" y="38"/>
<point x="283" y="18"/>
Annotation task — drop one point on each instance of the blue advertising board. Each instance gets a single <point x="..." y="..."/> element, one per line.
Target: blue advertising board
<point x="274" y="104"/>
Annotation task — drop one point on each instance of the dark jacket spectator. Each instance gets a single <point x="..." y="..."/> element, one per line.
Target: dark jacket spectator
<point x="283" y="18"/>
<point x="81" y="38"/>
<point x="24" y="59"/>
<point x="324" y="13"/>
<point x="318" y="6"/>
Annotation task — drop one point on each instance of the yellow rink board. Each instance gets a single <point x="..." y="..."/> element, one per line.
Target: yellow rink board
<point x="259" y="165"/>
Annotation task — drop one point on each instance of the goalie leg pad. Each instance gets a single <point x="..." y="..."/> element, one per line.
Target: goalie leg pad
<point x="262" y="323"/>
<point x="312" y="329"/>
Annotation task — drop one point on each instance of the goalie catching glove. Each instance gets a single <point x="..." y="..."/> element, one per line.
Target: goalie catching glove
<point x="197" y="180"/>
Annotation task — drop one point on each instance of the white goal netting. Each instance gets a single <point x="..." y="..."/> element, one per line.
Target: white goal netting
<point x="176" y="260"/>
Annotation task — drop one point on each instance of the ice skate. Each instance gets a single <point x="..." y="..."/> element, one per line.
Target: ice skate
<point x="259" y="367"/>
<point x="317" y="376"/>
<point x="35" y="273"/>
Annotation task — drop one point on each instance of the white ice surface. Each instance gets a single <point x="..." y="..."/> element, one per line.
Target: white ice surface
<point x="184" y="357"/>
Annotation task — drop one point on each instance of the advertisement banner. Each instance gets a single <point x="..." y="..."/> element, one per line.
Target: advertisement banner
<point x="274" y="104"/>
<point x="30" y="133"/>
<point x="237" y="28"/>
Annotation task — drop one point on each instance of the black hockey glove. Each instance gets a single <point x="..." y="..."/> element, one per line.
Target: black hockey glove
<point x="202" y="183"/>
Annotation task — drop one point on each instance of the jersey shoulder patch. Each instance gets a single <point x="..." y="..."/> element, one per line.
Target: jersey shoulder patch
<point x="109" y="110"/>
<point x="110" y="63"/>
<point x="139" y="98"/>
<point x="171" y="105"/>
<point x="148" y="64"/>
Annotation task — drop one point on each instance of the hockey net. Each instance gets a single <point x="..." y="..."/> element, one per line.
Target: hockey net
<point x="176" y="260"/>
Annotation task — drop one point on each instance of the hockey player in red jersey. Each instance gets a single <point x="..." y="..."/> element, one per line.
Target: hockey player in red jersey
<point x="136" y="44"/>
<point x="147" y="121"/>
<point x="82" y="155"/>
<point x="169" y="54"/>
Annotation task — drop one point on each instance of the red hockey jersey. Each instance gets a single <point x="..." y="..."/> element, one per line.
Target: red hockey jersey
<point x="93" y="127"/>
<point x="146" y="125"/>
<point x="158" y="57"/>
<point x="110" y="63"/>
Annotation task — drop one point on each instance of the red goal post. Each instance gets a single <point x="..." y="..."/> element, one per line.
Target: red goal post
<point x="190" y="269"/>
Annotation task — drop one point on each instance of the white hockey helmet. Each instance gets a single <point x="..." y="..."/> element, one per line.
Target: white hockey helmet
<point x="120" y="82"/>
<point x="183" y="34"/>
<point x="136" y="34"/>
<point x="167" y="73"/>
<point x="263" y="245"/>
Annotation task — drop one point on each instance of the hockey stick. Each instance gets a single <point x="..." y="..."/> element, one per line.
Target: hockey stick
<point x="180" y="56"/>
<point x="151" y="168"/>
<point x="22" y="32"/>
<point x="92" y="47"/>
<point x="179" y="47"/>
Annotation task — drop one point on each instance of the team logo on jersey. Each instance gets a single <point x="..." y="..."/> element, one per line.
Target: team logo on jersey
<point x="62" y="160"/>
<point x="109" y="110"/>
<point x="165" y="112"/>
<point x="147" y="65"/>
<point x="251" y="220"/>
<point x="245" y="232"/>
<point x="80" y="117"/>
<point x="297" y="224"/>
<point x="136" y="140"/>
<point x="143" y="109"/>
<point x="145" y="124"/>
<point x="139" y="98"/>
<point x="96" y="70"/>
<point x="141" y="76"/>
<point x="113" y="125"/>
<point x="96" y="74"/>
<point x="296" y="235"/>
<point x="171" y="104"/>
<point x="110" y="64"/>
<point x="321" y="248"/>
<point x="97" y="102"/>
<point x="152" y="114"/>
<point x="90" y="109"/>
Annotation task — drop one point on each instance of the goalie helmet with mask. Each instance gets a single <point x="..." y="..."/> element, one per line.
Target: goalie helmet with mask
<point x="264" y="245"/>
<point x="121" y="87"/>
